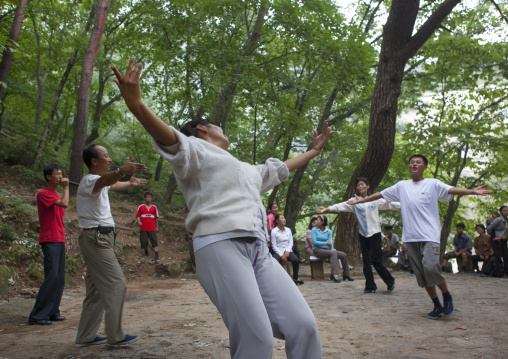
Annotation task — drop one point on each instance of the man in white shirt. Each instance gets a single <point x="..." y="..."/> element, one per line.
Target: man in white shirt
<point x="418" y="198"/>
<point x="104" y="280"/>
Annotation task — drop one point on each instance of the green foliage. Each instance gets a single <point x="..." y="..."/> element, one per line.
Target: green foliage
<point x="15" y="208"/>
<point x="73" y="263"/>
<point x="7" y="234"/>
<point x="192" y="51"/>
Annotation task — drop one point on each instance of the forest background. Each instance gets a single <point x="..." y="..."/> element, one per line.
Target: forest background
<point x="393" y="78"/>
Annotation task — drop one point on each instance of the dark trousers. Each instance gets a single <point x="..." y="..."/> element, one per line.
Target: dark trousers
<point x="48" y="300"/>
<point x="501" y="253"/>
<point x="372" y="256"/>
<point x="296" y="251"/>
<point x="487" y="265"/>
<point x="294" y="261"/>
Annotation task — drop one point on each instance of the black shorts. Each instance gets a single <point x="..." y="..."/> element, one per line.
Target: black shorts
<point x="145" y="235"/>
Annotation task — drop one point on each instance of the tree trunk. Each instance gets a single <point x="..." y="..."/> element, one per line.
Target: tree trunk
<point x="453" y="205"/>
<point x="223" y="103"/>
<point x="94" y="133"/>
<point x="158" y="169"/>
<point x="347" y="227"/>
<point x="296" y="197"/>
<point x="398" y="46"/>
<point x="7" y="54"/>
<point x="41" y="80"/>
<point x="81" y="119"/>
<point x="275" y="190"/>
<point x="172" y="185"/>
<point x="52" y="110"/>
<point x="54" y="104"/>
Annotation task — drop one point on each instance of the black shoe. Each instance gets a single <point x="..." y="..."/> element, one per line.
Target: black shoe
<point x="335" y="279"/>
<point x="391" y="288"/>
<point x="39" y="321"/>
<point x="57" y="318"/>
<point x="298" y="282"/>
<point x="349" y="279"/>
<point x="366" y="291"/>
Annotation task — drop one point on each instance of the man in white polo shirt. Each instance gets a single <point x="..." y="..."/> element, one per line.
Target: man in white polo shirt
<point x="418" y="199"/>
<point x="104" y="281"/>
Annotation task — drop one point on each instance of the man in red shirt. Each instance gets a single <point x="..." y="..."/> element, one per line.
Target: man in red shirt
<point x="52" y="240"/>
<point x="148" y="218"/>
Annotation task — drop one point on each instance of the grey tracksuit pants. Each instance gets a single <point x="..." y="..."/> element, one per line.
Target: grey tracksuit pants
<point x="256" y="303"/>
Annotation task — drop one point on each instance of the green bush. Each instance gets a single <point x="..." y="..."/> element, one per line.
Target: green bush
<point x="27" y="248"/>
<point x="7" y="234"/>
<point x="15" y="207"/>
<point x="25" y="172"/>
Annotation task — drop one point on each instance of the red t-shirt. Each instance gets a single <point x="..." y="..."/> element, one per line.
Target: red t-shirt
<point x="148" y="217"/>
<point x="50" y="216"/>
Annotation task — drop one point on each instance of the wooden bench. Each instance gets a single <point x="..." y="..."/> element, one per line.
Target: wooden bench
<point x="316" y="268"/>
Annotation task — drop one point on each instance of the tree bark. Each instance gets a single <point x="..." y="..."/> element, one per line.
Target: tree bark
<point x="172" y="185"/>
<point x="7" y="54"/>
<point x="296" y="197"/>
<point x="158" y="169"/>
<point x="56" y="98"/>
<point x="99" y="107"/>
<point x="81" y="119"/>
<point x="397" y="47"/>
<point x="41" y="80"/>
<point x="223" y="103"/>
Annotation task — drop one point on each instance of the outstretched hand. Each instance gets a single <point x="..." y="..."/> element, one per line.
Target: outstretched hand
<point x="132" y="168"/>
<point x="354" y="201"/>
<point x="318" y="141"/>
<point x="137" y="182"/>
<point x="129" y="83"/>
<point x="322" y="210"/>
<point x="481" y="191"/>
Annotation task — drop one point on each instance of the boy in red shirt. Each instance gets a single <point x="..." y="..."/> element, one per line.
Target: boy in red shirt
<point x="52" y="240"/>
<point x="148" y="218"/>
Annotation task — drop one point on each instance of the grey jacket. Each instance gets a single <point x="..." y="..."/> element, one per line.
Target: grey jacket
<point x="498" y="226"/>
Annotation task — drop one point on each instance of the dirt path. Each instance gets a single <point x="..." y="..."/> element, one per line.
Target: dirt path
<point x="175" y="319"/>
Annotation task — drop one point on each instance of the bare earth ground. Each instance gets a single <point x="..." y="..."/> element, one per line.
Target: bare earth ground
<point x="175" y="319"/>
